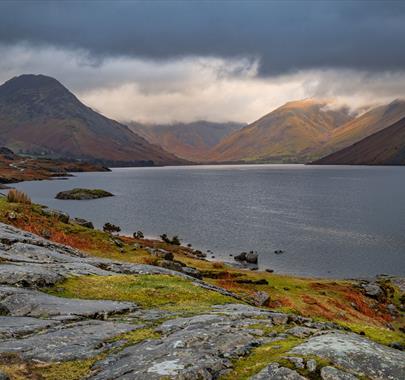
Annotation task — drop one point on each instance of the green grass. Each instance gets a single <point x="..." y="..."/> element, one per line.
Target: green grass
<point x="148" y="291"/>
<point x="260" y="357"/>
<point x="136" y="336"/>
<point x="378" y="334"/>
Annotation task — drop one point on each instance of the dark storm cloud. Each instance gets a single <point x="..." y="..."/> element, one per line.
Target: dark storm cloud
<point x="285" y="36"/>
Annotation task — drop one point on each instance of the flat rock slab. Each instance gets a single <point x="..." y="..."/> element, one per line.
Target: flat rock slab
<point x="32" y="303"/>
<point x="76" y="341"/>
<point x="18" y="326"/>
<point x="356" y="355"/>
<point x="199" y="347"/>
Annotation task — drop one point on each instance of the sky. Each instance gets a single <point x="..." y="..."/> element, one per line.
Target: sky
<point x="166" y="61"/>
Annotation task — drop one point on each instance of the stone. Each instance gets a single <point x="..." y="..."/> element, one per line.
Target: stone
<point x="59" y="215"/>
<point x="83" y="223"/>
<point x="311" y="365"/>
<point x="171" y="264"/>
<point x="392" y="309"/>
<point x="162" y="254"/>
<point x="372" y="290"/>
<point x="356" y="354"/>
<point x="261" y="298"/>
<point x="32" y="303"/>
<point x="297" y="362"/>
<point x="252" y="257"/>
<point x="78" y="340"/>
<point x="331" y="373"/>
<point x="3" y="376"/>
<point x="301" y="331"/>
<point x="275" y="372"/>
<point x="241" y="256"/>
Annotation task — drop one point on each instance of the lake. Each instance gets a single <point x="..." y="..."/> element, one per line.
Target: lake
<point x="330" y="221"/>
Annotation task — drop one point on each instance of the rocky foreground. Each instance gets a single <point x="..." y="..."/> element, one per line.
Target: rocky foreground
<point x="38" y="328"/>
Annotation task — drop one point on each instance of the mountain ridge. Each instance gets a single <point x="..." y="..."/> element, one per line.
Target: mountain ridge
<point x="41" y="117"/>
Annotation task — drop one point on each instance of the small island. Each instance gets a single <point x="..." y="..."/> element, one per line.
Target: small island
<point x="83" y="194"/>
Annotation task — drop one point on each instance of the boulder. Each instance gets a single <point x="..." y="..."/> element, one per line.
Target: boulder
<point x="252" y="257"/>
<point x="356" y="354"/>
<point x="59" y="215"/>
<point x="83" y="223"/>
<point x="372" y="290"/>
<point x="241" y="256"/>
<point x="261" y="298"/>
<point x="192" y="272"/>
<point x="311" y="365"/>
<point x="162" y="254"/>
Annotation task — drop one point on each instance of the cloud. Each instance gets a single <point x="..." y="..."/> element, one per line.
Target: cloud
<point x="286" y="36"/>
<point x="193" y="88"/>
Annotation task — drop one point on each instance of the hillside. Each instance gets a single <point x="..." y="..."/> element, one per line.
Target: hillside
<point x="291" y="133"/>
<point x="39" y="116"/>
<point x="386" y="147"/>
<point x="365" y="125"/>
<point x="191" y="141"/>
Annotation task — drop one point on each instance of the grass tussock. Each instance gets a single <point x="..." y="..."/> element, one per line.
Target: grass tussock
<point x="165" y="292"/>
<point x="17" y="196"/>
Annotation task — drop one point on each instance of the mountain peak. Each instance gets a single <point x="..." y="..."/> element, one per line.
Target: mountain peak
<point x="30" y="81"/>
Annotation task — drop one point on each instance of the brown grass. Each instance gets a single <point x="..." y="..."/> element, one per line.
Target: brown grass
<point x="17" y="196"/>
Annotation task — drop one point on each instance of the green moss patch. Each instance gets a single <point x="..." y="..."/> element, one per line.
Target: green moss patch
<point x="166" y="292"/>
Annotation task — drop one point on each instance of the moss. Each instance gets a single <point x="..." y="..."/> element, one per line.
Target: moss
<point x="148" y="291"/>
<point x="378" y="334"/>
<point x="70" y="370"/>
<point x="136" y="336"/>
<point x="260" y="357"/>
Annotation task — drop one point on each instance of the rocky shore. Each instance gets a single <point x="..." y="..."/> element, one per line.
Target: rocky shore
<point x="112" y="339"/>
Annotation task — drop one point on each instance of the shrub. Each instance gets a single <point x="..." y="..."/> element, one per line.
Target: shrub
<point x="138" y="235"/>
<point x="111" y="228"/>
<point x="174" y="240"/>
<point x="17" y="196"/>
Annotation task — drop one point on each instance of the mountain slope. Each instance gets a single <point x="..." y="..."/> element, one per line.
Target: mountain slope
<point x="39" y="116"/>
<point x="386" y="147"/>
<point x="365" y="125"/>
<point x="191" y="141"/>
<point x="291" y="133"/>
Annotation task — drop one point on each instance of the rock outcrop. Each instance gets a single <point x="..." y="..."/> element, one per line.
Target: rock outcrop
<point x="40" y="327"/>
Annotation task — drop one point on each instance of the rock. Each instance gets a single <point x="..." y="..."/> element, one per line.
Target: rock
<point x="392" y="309"/>
<point x="356" y="354"/>
<point x="301" y="331"/>
<point x="45" y="233"/>
<point x="372" y="290"/>
<point x="252" y="257"/>
<point x="83" y="194"/>
<point x="241" y="256"/>
<point x="83" y="222"/>
<point x="171" y="264"/>
<point x="32" y="303"/>
<point x="78" y="340"/>
<point x="59" y="215"/>
<point x="3" y="376"/>
<point x="278" y="252"/>
<point x="311" y="365"/>
<point x="118" y="243"/>
<point x="192" y="272"/>
<point x="269" y="270"/>
<point x="199" y="347"/>
<point x="163" y="254"/>
<point x="331" y="373"/>
<point x="398" y="346"/>
<point x="261" y="281"/>
<point x="275" y="372"/>
<point x="19" y="326"/>
<point x="261" y="298"/>
<point x="298" y="362"/>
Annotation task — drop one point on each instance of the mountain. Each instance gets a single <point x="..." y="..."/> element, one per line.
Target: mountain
<point x="39" y="116"/>
<point x="293" y="132"/>
<point x="365" y="125"/>
<point x="191" y="141"/>
<point x="386" y="147"/>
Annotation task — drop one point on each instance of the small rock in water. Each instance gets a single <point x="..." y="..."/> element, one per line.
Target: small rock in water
<point x="269" y="270"/>
<point x="278" y="251"/>
<point x="241" y="256"/>
<point x="252" y="257"/>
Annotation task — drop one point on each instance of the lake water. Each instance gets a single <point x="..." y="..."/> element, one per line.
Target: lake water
<point x="330" y="221"/>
